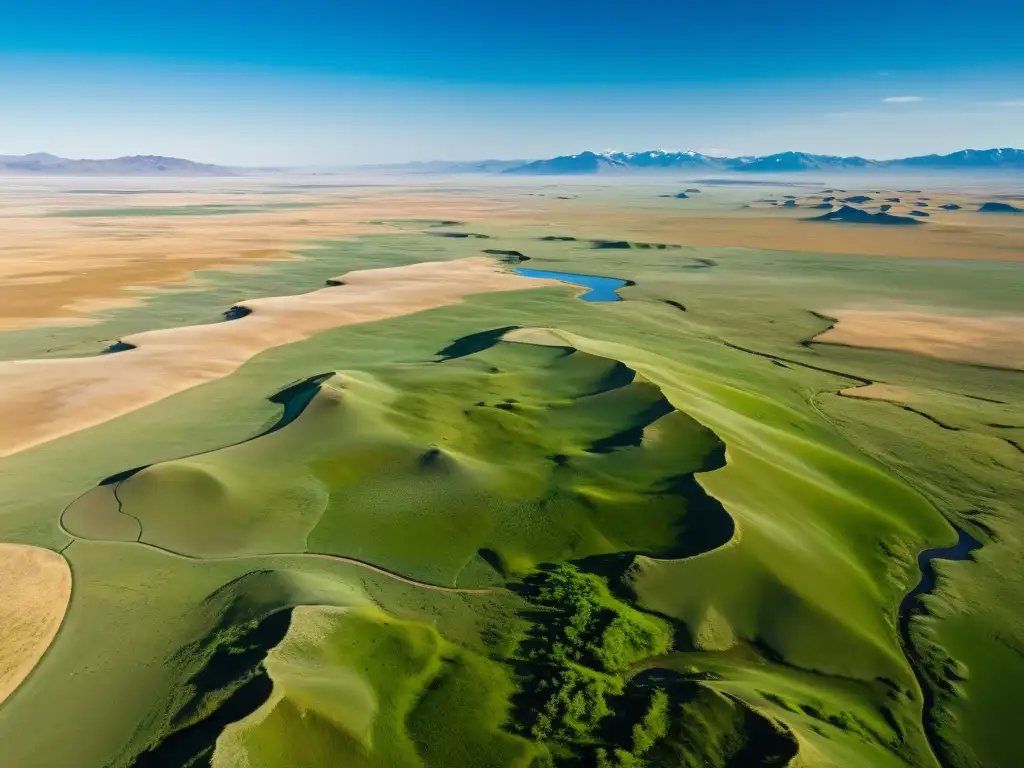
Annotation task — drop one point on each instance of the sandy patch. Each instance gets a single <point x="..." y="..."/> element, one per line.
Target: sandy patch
<point x="44" y="399"/>
<point x="888" y="392"/>
<point x="53" y="267"/>
<point x="994" y="341"/>
<point x="35" y="588"/>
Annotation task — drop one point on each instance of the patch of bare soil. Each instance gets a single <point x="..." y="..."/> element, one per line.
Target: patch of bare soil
<point x="35" y="589"/>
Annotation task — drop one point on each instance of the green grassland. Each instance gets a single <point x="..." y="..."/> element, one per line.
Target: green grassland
<point x="536" y="478"/>
<point x="530" y="531"/>
<point x="211" y="209"/>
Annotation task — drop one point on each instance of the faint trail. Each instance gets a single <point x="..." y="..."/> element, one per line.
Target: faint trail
<point x="321" y="556"/>
<point x="851" y="394"/>
<point x="791" y="361"/>
<point x="392" y="574"/>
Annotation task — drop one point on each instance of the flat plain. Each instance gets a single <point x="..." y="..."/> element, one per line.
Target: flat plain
<point x="303" y="475"/>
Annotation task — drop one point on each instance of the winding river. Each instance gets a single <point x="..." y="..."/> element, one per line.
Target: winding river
<point x="965" y="545"/>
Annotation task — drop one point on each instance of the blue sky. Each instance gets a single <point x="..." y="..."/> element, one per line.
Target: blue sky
<point x="318" y="81"/>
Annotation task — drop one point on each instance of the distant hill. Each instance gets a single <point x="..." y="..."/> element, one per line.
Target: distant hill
<point x="850" y="215"/>
<point x="134" y="165"/>
<point x="782" y="162"/>
<point x="999" y="208"/>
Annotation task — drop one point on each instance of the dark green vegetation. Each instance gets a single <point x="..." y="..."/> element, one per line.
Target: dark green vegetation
<point x="551" y="533"/>
<point x="999" y="208"/>
<point x="850" y="215"/>
<point x="572" y="661"/>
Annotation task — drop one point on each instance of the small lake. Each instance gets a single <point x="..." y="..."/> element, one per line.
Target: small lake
<point x="601" y="288"/>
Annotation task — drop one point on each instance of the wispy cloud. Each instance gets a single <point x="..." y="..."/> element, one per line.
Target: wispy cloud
<point x="1010" y="103"/>
<point x="902" y="99"/>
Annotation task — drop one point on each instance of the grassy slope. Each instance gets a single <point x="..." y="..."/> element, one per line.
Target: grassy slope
<point x="362" y="687"/>
<point x="975" y="621"/>
<point x="456" y="457"/>
<point x="132" y="639"/>
<point x="836" y="721"/>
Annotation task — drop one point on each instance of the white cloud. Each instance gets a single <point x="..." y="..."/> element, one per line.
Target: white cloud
<point x="1010" y="103"/>
<point x="902" y="99"/>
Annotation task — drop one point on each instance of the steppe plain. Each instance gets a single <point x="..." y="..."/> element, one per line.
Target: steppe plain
<point x="300" y="472"/>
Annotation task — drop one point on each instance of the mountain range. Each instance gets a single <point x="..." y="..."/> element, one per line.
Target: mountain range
<point x="134" y="165"/>
<point x="1004" y="159"/>
<point x="783" y="162"/>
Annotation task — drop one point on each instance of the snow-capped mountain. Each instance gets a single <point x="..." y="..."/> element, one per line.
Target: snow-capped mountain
<point x="594" y="162"/>
<point x="782" y="162"/>
<point x="800" y="161"/>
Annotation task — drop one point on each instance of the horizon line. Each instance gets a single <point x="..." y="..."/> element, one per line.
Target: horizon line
<point x="599" y="153"/>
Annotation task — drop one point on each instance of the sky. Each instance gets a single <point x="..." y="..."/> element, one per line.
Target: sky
<point x="341" y="82"/>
